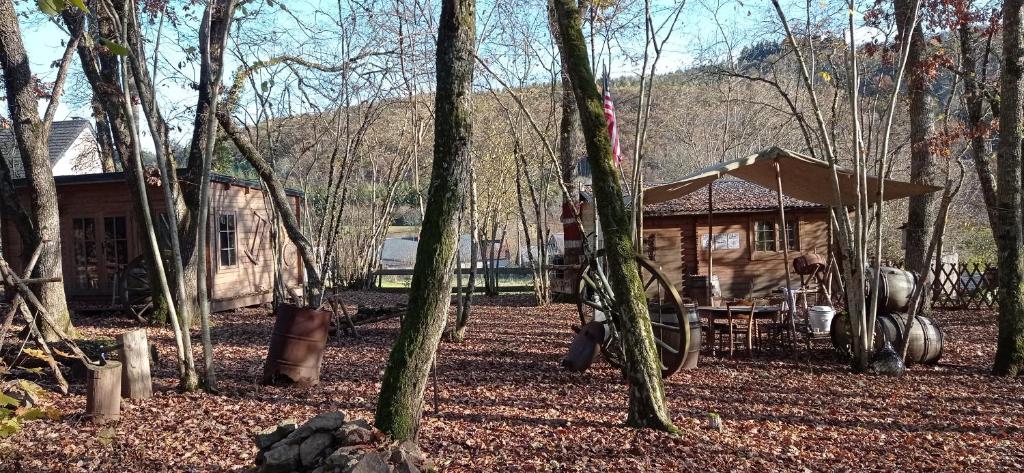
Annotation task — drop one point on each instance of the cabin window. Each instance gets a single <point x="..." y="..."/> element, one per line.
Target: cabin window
<point x="226" y="232"/>
<point x="115" y="245"/>
<point x="84" y="236"/>
<point x="793" y="235"/>
<point x="764" y="236"/>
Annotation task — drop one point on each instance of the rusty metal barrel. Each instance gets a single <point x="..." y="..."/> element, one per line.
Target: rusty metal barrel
<point x="926" y="338"/>
<point x="296" y="346"/>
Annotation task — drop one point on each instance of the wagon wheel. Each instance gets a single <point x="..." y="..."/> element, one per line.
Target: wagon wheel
<point x="134" y="288"/>
<point x="668" y="319"/>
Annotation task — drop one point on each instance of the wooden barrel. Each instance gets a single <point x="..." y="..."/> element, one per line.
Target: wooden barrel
<point x="840" y="332"/>
<point x="692" y="348"/>
<point x="671" y="338"/>
<point x="895" y="289"/>
<point x="297" y="345"/>
<point x="925" y="337"/>
<point x="808" y="264"/>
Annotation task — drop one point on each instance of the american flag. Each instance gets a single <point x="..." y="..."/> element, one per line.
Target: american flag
<point x="613" y="128"/>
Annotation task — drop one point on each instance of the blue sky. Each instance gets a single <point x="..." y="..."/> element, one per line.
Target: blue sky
<point x="697" y="34"/>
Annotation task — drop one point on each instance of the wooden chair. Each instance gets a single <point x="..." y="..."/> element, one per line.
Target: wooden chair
<point x="779" y="332"/>
<point x="739" y="324"/>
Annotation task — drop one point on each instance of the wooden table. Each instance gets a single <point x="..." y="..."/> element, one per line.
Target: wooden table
<point x="713" y="313"/>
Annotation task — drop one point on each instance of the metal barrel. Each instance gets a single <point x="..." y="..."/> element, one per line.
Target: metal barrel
<point x="297" y="345"/>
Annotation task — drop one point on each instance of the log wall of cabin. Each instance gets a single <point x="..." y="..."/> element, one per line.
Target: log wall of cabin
<point x="740" y="271"/>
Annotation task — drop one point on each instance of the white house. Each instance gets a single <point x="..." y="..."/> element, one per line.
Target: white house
<point x="73" y="149"/>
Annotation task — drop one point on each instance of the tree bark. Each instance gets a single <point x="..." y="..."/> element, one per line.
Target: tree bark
<point x="1009" y="360"/>
<point x="32" y="136"/>
<point x="104" y="142"/>
<point x="922" y="209"/>
<point x="465" y="307"/>
<point x="647" y="406"/>
<point x="216" y="19"/>
<point x="977" y="130"/>
<point x="400" y="404"/>
<point x="102" y="70"/>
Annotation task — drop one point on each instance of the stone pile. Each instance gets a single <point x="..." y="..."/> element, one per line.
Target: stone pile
<point x="329" y="443"/>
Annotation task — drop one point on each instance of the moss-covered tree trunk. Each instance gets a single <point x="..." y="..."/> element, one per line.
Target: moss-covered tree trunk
<point x="642" y="367"/>
<point x="401" y="394"/>
<point x="1010" y="346"/>
<point x="32" y="137"/>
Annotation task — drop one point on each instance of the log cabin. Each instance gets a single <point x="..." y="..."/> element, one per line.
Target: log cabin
<point x="748" y="253"/>
<point x="101" y="235"/>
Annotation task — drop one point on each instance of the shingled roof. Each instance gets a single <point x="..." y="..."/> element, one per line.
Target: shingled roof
<point x="62" y="136"/>
<point x="729" y="195"/>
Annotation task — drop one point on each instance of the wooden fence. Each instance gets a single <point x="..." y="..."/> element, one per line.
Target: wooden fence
<point x="522" y="278"/>
<point x="964" y="286"/>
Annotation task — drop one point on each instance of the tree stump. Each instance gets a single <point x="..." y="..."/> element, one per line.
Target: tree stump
<point x="103" y="392"/>
<point x="136" y="382"/>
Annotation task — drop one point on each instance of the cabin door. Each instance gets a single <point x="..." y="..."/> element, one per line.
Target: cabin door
<point x="99" y="251"/>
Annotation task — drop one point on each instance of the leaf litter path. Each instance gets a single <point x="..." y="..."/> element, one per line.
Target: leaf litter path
<point x="505" y="405"/>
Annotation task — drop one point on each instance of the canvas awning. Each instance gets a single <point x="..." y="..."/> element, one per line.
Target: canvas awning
<point x="803" y="178"/>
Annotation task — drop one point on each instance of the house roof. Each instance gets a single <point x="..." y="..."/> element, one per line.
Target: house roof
<point x="109" y="177"/>
<point x="729" y="195"/>
<point x="62" y="136"/>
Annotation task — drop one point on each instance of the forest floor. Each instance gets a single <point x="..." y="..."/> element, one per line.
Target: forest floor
<point x="504" y="404"/>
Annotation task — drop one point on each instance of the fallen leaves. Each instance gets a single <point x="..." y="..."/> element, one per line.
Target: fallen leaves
<point x="505" y="404"/>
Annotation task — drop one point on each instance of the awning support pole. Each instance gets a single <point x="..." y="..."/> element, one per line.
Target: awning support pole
<point x="790" y="298"/>
<point x="711" y="245"/>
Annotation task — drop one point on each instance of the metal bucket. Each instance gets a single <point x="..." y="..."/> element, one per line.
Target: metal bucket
<point x="297" y="345"/>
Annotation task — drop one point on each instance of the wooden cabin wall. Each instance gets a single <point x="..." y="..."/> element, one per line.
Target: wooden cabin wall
<point x="90" y="260"/>
<point x="742" y="270"/>
<point x="248" y="282"/>
<point x="250" y="279"/>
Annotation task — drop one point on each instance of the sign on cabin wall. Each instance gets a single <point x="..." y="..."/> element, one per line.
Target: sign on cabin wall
<point x="723" y="241"/>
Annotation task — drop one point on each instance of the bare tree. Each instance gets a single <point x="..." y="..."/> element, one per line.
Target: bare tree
<point x="400" y="404"/>
<point x="32" y="135"/>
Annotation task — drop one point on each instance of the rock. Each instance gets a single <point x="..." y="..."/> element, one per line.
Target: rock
<point x="313" y="446"/>
<point x="300" y="434"/>
<point x="271" y="435"/>
<point x="281" y="459"/>
<point x="406" y="466"/>
<point x="407" y="450"/>
<point x="371" y="463"/>
<point x="362" y="423"/>
<point x="352" y="434"/>
<point x="326" y="421"/>
<point x="344" y="458"/>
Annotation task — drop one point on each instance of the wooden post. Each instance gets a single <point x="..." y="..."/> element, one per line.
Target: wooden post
<point x="136" y="382"/>
<point x="103" y="392"/>
<point x="785" y="255"/>
<point x="711" y="245"/>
